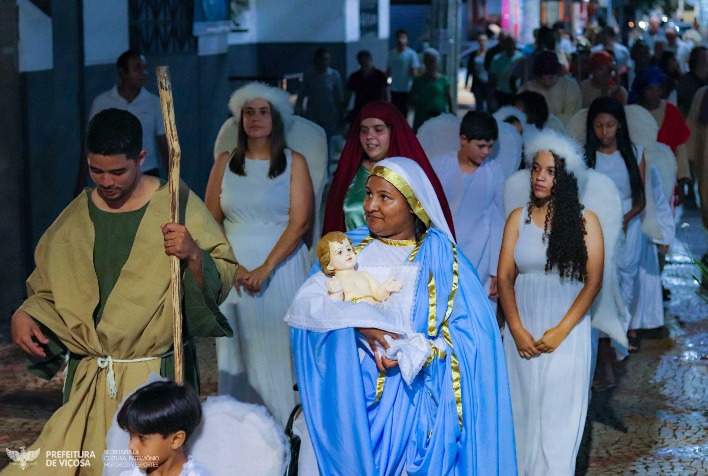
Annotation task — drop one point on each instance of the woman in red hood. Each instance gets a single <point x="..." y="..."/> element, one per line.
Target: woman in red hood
<point x="380" y="131"/>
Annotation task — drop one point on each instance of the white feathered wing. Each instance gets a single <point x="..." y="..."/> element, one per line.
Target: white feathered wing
<point x="233" y="438"/>
<point x="600" y="195"/>
<point x="441" y="135"/>
<point x="303" y="136"/>
<point x="660" y="159"/>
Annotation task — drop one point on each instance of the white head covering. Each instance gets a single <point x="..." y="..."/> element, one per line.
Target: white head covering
<point x="409" y="179"/>
<point x="278" y="98"/>
<point x="561" y="145"/>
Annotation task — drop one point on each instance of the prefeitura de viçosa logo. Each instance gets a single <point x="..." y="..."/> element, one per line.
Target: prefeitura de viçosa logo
<point x="22" y="458"/>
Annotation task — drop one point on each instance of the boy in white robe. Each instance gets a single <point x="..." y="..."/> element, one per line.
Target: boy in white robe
<point x="474" y="188"/>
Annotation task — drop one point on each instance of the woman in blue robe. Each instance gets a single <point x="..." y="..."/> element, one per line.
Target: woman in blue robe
<point x="455" y="417"/>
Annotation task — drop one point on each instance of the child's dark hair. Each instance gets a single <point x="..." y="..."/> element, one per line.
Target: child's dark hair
<point x="115" y="132"/>
<point x="479" y="125"/>
<point x="161" y="407"/>
<point x="513" y="120"/>
<point x="535" y="107"/>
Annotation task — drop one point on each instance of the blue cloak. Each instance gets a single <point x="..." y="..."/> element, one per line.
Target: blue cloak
<point x="454" y="419"/>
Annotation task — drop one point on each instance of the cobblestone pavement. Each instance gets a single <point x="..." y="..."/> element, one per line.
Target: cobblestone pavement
<point x="655" y="422"/>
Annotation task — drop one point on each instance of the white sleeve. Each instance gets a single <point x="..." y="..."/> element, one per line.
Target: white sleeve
<point x="496" y="225"/>
<point x="159" y="123"/>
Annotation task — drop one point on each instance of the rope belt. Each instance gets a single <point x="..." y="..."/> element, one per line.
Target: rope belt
<point x="107" y="362"/>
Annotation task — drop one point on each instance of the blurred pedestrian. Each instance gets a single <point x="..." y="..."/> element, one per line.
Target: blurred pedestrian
<point x="366" y="84"/>
<point x="603" y="80"/>
<point x="403" y="65"/>
<point x="500" y="72"/>
<point x="477" y="73"/>
<point x="560" y="90"/>
<point x="131" y="95"/>
<point x="430" y="91"/>
<point x="322" y="87"/>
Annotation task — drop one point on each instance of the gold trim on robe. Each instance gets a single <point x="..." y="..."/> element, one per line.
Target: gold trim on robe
<point x="394" y="179"/>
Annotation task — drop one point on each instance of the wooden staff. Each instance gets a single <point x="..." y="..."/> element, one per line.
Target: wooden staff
<point x="168" y="116"/>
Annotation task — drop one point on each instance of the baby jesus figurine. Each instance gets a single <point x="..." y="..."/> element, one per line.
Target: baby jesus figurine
<point x="338" y="259"/>
<point x="322" y="303"/>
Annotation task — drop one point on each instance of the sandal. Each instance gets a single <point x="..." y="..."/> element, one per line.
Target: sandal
<point x="634" y="342"/>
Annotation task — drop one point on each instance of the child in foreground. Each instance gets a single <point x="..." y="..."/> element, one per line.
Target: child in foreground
<point x="160" y="417"/>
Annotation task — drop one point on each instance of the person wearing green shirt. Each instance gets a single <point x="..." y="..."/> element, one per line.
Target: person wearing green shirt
<point x="100" y="295"/>
<point x="431" y="91"/>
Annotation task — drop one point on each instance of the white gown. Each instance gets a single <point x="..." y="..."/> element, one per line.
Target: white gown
<point x="255" y="365"/>
<point x="477" y="205"/>
<point x="629" y="244"/>
<point x="648" y="306"/>
<point x="549" y="393"/>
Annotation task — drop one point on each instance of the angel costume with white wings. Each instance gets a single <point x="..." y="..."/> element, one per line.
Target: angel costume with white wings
<point x="475" y="199"/>
<point x="255" y="364"/>
<point x="598" y="194"/>
<point x="657" y="221"/>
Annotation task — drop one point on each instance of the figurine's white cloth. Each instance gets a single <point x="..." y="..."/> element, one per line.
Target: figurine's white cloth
<point x="411" y="352"/>
<point x="314" y="310"/>
<point x="326" y="314"/>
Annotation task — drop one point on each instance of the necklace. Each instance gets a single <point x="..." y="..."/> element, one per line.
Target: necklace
<point x="390" y="242"/>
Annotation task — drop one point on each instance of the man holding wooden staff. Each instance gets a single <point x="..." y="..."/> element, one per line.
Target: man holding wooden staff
<point x="100" y="293"/>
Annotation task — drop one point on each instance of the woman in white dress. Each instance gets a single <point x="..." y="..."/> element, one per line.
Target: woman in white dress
<point x="262" y="194"/>
<point x="609" y="150"/>
<point x="550" y="271"/>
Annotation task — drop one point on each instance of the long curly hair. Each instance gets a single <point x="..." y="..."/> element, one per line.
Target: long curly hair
<point x="564" y="226"/>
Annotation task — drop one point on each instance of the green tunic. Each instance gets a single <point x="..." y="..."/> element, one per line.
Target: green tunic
<point x="354" y="200"/>
<point x="115" y="235"/>
<point x="102" y="290"/>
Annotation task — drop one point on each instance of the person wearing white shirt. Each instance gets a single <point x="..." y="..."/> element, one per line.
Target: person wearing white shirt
<point x="681" y="48"/>
<point x="130" y="95"/>
<point x="474" y="185"/>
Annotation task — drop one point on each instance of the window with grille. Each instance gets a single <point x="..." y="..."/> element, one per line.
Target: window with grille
<point x="159" y="27"/>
